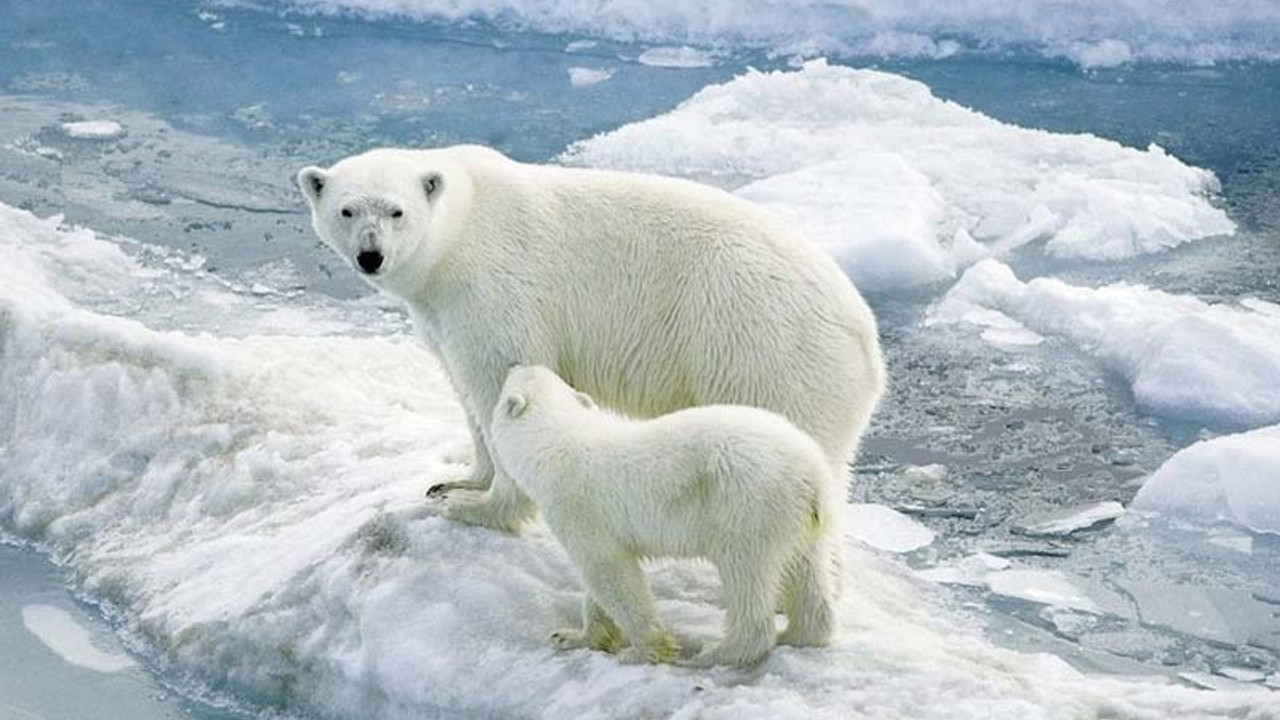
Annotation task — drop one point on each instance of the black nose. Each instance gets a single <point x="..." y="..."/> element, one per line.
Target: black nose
<point x="369" y="261"/>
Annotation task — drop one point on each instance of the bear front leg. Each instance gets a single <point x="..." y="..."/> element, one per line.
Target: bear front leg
<point x="598" y="632"/>
<point x="480" y="478"/>
<point x="503" y="507"/>
<point x="615" y="580"/>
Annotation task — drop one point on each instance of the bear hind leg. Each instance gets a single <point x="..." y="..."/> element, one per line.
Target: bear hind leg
<point x="809" y="604"/>
<point x="750" y="596"/>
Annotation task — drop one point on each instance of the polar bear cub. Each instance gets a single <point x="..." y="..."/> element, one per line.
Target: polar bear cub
<point x="739" y="486"/>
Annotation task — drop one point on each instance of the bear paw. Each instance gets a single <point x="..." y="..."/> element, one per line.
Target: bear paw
<point x="569" y="639"/>
<point x="663" y="649"/>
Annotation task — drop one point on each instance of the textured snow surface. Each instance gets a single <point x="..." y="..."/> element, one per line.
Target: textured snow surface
<point x="903" y="188"/>
<point x="1091" y="33"/>
<point x="1233" y="478"/>
<point x="252" y="507"/>
<point x="1184" y="358"/>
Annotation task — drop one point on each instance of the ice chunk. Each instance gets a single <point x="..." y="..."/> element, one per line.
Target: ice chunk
<point x="1046" y="587"/>
<point x="62" y="634"/>
<point x="1184" y="358"/>
<point x="676" y="57"/>
<point x="906" y="189"/>
<point x="1231" y="478"/>
<point x="583" y="77"/>
<point x="972" y="570"/>
<point x="1242" y="674"/>
<point x="1060" y="523"/>
<point x="1215" y="682"/>
<point x="884" y="528"/>
<point x="93" y="129"/>
<point x="1219" y="615"/>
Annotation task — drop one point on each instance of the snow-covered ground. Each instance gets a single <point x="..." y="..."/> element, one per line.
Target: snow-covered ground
<point x="251" y="507"/>
<point x="906" y="189"/>
<point x="1091" y="33"/>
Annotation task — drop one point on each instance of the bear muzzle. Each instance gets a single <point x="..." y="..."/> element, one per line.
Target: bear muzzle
<point x="369" y="261"/>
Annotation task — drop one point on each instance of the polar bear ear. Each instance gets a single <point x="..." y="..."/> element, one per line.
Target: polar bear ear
<point x="312" y="180"/>
<point x="584" y="400"/>
<point x="432" y="185"/>
<point x="515" y="405"/>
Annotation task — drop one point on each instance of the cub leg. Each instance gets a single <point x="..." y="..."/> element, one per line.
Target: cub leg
<point x="617" y="584"/>
<point x="809" y="594"/>
<point x="750" y="590"/>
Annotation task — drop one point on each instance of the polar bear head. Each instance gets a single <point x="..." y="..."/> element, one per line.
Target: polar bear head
<point x="534" y="388"/>
<point x="389" y="213"/>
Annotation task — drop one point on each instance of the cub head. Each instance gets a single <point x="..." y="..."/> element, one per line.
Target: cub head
<point x="532" y="390"/>
<point x="388" y="213"/>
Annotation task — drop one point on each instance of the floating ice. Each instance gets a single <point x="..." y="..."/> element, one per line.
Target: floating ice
<point x="60" y="632"/>
<point x="1219" y="615"/>
<point x="676" y="57"/>
<point x="583" y="77"/>
<point x="1046" y="587"/>
<point x="972" y="570"/>
<point x="1060" y="523"/>
<point x="905" y="189"/>
<point x="251" y="506"/>
<point x="1185" y="358"/>
<point x="1091" y="33"/>
<point x="884" y="528"/>
<point x="1232" y="478"/>
<point x="93" y="129"/>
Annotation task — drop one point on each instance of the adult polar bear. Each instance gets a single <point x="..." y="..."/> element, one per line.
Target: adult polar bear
<point x="651" y="294"/>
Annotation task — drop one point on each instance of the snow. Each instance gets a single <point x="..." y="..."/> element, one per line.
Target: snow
<point x="905" y="189"/>
<point x="676" y="57"/>
<point x="884" y="528"/>
<point x="1231" y="478"/>
<point x="1184" y="358"/>
<point x="1061" y="523"/>
<point x="1091" y="33"/>
<point x="61" y="633"/>
<point x="93" y="129"/>
<point x="584" y="77"/>
<point x="249" y="507"/>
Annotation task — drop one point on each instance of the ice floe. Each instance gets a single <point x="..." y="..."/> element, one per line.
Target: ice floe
<point x="884" y="528"/>
<point x="1183" y="357"/>
<point x="1063" y="522"/>
<point x="585" y="77"/>
<point x="93" y="129"/>
<point x="71" y="641"/>
<point x="904" y="188"/>
<point x="1090" y="33"/>
<point x="250" y="507"/>
<point x="676" y="57"/>
<point x="1231" y="478"/>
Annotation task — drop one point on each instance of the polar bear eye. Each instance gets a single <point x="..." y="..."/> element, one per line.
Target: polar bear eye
<point x="346" y="212"/>
<point x="397" y="214"/>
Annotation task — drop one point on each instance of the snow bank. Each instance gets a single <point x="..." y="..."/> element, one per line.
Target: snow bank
<point x="906" y="189"/>
<point x="1184" y="358"/>
<point x="252" y="509"/>
<point x="1091" y="33"/>
<point x="1233" y="478"/>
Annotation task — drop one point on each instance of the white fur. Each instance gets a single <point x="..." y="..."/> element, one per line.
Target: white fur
<point x="739" y="486"/>
<point x="650" y="293"/>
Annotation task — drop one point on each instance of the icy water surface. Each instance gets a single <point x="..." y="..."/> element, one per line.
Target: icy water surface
<point x="218" y="107"/>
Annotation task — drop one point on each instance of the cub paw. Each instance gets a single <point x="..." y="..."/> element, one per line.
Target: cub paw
<point x="569" y="639"/>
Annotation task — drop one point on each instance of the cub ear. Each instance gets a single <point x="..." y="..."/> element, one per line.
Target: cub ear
<point x="515" y="405"/>
<point x="584" y="400"/>
<point x="312" y="180"/>
<point x="432" y="185"/>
